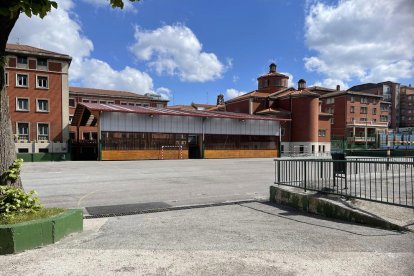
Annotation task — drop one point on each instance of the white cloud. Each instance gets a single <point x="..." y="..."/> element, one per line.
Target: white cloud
<point x="101" y="75"/>
<point x="290" y="81"/>
<point x="128" y="6"/>
<point x="164" y="92"/>
<point x="60" y="31"/>
<point x="176" y="51"/>
<point x="370" y="41"/>
<point x="331" y="83"/>
<point x="232" y="93"/>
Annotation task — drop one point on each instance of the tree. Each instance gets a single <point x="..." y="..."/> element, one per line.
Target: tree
<point x="10" y="11"/>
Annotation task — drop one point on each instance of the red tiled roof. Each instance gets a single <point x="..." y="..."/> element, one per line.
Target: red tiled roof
<point x="254" y="93"/>
<point x="17" y="48"/>
<point x="276" y="111"/>
<point x="110" y="93"/>
<point x="273" y="74"/>
<point x="165" y="111"/>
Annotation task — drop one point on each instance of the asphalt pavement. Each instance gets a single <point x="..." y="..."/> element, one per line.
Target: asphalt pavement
<point x="240" y="239"/>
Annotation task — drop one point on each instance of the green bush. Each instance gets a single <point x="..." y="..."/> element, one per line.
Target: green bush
<point x="13" y="173"/>
<point x="14" y="201"/>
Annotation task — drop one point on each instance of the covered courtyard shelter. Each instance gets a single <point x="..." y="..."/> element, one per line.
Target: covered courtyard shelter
<point x="135" y="132"/>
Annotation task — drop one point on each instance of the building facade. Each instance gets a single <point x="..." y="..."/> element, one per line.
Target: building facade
<point x="102" y="96"/>
<point x="37" y="87"/>
<point x="407" y="107"/>
<point x="358" y="117"/>
<point x="305" y="129"/>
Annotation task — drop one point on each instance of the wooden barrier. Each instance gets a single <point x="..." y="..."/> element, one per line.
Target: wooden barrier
<point x="211" y="154"/>
<point x="143" y="154"/>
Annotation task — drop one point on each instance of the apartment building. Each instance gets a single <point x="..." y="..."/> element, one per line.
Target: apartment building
<point x="358" y="117"/>
<point x="37" y="87"/>
<point x="407" y="106"/>
<point x="102" y="96"/>
<point x="390" y="93"/>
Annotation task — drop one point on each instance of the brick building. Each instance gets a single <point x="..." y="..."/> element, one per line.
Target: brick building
<point x="407" y="106"/>
<point x="305" y="128"/>
<point x="358" y="117"/>
<point x="37" y="87"/>
<point x="102" y="96"/>
<point x="390" y="92"/>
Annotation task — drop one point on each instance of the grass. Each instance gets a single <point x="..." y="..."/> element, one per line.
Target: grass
<point x="24" y="217"/>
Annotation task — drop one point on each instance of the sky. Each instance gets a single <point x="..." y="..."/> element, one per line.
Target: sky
<point x="191" y="51"/>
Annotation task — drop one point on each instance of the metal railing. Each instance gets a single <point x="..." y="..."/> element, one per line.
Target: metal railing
<point x="385" y="181"/>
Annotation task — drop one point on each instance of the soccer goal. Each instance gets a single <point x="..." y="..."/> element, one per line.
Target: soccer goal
<point x="171" y="151"/>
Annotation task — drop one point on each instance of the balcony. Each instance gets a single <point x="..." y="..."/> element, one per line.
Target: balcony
<point x="356" y="123"/>
<point x="361" y="139"/>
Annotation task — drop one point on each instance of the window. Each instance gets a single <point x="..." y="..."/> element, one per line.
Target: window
<point x="22" y="60"/>
<point x="384" y="118"/>
<point x="363" y="119"/>
<point x="42" y="82"/>
<point x="72" y="102"/>
<point x="364" y="110"/>
<point x="22" y="80"/>
<point x="23" y="131"/>
<point x="352" y="109"/>
<point x="94" y="101"/>
<point x="330" y="100"/>
<point x="145" y="105"/>
<point x="374" y="111"/>
<point x="131" y="104"/>
<point x="282" y="130"/>
<point x="313" y="148"/>
<point x="44" y="150"/>
<point x="123" y="103"/>
<point x="301" y="149"/>
<point x="160" y="105"/>
<point x="138" y="104"/>
<point x="352" y="99"/>
<point x="6" y="78"/>
<point x="70" y="119"/>
<point x="384" y="107"/>
<point x="42" y="132"/>
<point x="22" y="104"/>
<point x="102" y="102"/>
<point x="364" y="100"/>
<point x="85" y="101"/>
<point x="323" y="148"/>
<point x="409" y="111"/>
<point x="282" y="148"/>
<point x="42" y="106"/>
<point x="322" y="132"/>
<point x="110" y="102"/>
<point x="23" y="150"/>
<point x="41" y="62"/>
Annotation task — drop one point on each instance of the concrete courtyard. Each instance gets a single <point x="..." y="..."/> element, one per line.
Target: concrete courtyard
<point x="164" y="182"/>
<point x="254" y="238"/>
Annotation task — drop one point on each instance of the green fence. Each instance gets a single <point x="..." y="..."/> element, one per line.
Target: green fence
<point x="44" y="157"/>
<point x="379" y="152"/>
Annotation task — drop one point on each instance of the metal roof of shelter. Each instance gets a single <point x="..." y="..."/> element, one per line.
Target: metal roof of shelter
<point x="81" y="118"/>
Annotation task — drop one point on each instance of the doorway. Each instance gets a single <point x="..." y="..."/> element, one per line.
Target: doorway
<point x="193" y="147"/>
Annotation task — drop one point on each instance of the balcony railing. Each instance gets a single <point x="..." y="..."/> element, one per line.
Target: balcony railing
<point x="361" y="139"/>
<point x="367" y="124"/>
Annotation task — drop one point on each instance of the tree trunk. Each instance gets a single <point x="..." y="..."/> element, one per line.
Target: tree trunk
<point x="7" y="147"/>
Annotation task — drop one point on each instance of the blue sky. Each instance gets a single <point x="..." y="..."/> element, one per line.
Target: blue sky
<point x="190" y="50"/>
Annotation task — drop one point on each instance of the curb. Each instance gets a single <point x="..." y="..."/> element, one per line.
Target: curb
<point x="18" y="237"/>
<point x="314" y="204"/>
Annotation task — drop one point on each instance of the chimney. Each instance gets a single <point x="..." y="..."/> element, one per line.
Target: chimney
<point x="338" y="87"/>
<point x="272" y="68"/>
<point x="220" y="99"/>
<point x="301" y="84"/>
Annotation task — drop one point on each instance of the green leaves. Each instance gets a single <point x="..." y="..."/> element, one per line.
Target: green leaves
<point x="28" y="7"/>
<point x="13" y="173"/>
<point x="15" y="201"/>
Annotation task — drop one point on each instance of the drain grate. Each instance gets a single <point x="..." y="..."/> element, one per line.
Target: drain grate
<point x="137" y="209"/>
